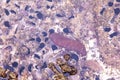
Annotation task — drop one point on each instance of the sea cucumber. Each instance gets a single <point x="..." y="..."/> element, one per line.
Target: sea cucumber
<point x="67" y="43"/>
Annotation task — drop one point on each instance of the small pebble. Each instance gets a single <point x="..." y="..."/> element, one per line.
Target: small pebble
<point x="48" y="7"/>
<point x="8" y="67"/>
<point x="51" y="31"/>
<point x="15" y="64"/>
<point x="102" y="11"/>
<point x="54" y="47"/>
<point x="12" y="11"/>
<point x="74" y="56"/>
<point x="107" y="29"/>
<point x="32" y="39"/>
<point x="49" y="0"/>
<point x="27" y="7"/>
<point x="117" y="0"/>
<point x="71" y="17"/>
<point x="44" y="33"/>
<point x="30" y="67"/>
<point x="21" y="69"/>
<point x="37" y="56"/>
<point x="42" y="45"/>
<point x="7" y="1"/>
<point x="66" y="30"/>
<point x="44" y="65"/>
<point x="38" y="39"/>
<point x="117" y="11"/>
<point x="17" y="5"/>
<point x="59" y="15"/>
<point x="6" y="12"/>
<point x="110" y="4"/>
<point x="113" y="34"/>
<point x="39" y="15"/>
<point x="7" y="24"/>
<point x="46" y="39"/>
<point x="31" y="17"/>
<point x="97" y="78"/>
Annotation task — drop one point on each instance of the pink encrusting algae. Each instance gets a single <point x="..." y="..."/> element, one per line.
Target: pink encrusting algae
<point x="68" y="44"/>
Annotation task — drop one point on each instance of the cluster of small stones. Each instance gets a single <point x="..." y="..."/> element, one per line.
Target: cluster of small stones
<point x="6" y="74"/>
<point x="64" y="67"/>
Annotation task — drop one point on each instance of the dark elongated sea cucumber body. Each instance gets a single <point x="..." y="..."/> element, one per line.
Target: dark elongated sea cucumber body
<point x="68" y="43"/>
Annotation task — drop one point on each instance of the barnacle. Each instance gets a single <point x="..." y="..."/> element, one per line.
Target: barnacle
<point x="59" y="61"/>
<point x="66" y="57"/>
<point x="3" y="72"/>
<point x="64" y="68"/>
<point x="59" y="77"/>
<point x="6" y="74"/>
<point x="73" y="70"/>
<point x="53" y="68"/>
<point x="13" y="75"/>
